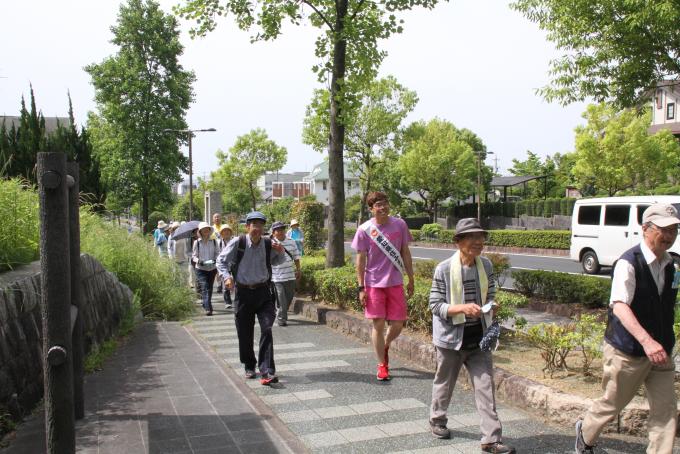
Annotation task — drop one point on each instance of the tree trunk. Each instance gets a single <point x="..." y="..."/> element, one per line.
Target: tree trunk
<point x="252" y="196"/>
<point x="145" y="211"/>
<point x="335" y="256"/>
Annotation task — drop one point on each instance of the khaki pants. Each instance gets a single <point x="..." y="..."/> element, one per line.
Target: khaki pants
<point x="480" y="368"/>
<point x="623" y="375"/>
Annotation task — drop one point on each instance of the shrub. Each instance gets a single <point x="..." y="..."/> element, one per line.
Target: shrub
<point x="501" y="266"/>
<point x="508" y="302"/>
<point x="154" y="217"/>
<point x="430" y="231"/>
<point x="555" y="342"/>
<point x="588" y="334"/>
<point x="308" y="265"/>
<point x="547" y="239"/>
<point x="424" y="268"/>
<point x="310" y="215"/>
<point x="161" y="285"/>
<point x="563" y="288"/>
<point x="20" y="234"/>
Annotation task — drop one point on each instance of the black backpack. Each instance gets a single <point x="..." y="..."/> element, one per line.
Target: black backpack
<point x="242" y="250"/>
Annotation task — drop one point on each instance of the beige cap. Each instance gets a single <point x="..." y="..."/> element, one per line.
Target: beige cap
<point x="661" y="215"/>
<point x="226" y="226"/>
<point x="162" y="225"/>
<point x="203" y="225"/>
<point x="294" y="222"/>
<point x="174" y="225"/>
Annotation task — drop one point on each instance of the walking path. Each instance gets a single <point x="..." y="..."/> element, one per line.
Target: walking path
<point x="176" y="388"/>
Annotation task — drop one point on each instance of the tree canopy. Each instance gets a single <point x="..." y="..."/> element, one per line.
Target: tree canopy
<point x="439" y="161"/>
<point x="614" y="152"/>
<point x="614" y="50"/>
<point x="140" y="91"/>
<point x="252" y="156"/>
<point x="349" y="58"/>
<point x="371" y="127"/>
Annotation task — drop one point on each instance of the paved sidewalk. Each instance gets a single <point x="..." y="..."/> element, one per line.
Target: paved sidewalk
<point x="164" y="392"/>
<point x="180" y="389"/>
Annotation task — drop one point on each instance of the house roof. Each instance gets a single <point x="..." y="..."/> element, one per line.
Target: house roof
<point x="320" y="172"/>
<point x="673" y="127"/>
<point x="513" y="181"/>
<point x="51" y="123"/>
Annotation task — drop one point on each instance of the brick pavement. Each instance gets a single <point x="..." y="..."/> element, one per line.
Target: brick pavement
<point x="180" y="389"/>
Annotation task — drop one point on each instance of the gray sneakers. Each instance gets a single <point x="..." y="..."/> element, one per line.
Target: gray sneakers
<point x="580" y="446"/>
<point x="439" y="430"/>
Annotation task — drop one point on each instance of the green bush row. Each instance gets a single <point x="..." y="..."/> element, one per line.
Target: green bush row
<point x="563" y="288"/>
<point x="338" y="286"/>
<point x="20" y="233"/>
<point x="546" y="239"/>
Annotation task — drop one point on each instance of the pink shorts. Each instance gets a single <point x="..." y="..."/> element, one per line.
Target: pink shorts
<point x="388" y="303"/>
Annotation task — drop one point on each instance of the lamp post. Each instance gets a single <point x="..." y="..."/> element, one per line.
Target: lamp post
<point x="191" y="174"/>
<point x="479" y="183"/>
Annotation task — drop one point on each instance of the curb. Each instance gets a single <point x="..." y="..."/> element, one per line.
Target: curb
<point x="540" y="400"/>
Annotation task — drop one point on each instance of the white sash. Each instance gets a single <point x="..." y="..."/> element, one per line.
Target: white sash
<point x="384" y="245"/>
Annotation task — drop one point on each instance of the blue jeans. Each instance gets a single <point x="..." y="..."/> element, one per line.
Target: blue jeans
<point x="206" y="279"/>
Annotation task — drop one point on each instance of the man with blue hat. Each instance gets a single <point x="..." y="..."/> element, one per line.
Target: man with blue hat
<point x="246" y="264"/>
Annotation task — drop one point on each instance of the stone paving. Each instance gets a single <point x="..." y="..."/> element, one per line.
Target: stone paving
<point x="176" y="388"/>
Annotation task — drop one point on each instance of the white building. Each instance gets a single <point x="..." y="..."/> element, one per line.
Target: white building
<point x="319" y="185"/>
<point x="665" y="108"/>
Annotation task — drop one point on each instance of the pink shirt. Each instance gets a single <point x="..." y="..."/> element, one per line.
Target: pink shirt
<point x="380" y="272"/>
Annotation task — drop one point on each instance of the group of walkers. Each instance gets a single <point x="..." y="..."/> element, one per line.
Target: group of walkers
<point x="639" y="336"/>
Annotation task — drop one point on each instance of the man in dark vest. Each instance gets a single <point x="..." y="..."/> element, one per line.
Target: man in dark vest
<point x="639" y="336"/>
<point x="245" y="263"/>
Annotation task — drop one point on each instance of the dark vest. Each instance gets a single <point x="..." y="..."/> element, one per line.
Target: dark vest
<point x="655" y="313"/>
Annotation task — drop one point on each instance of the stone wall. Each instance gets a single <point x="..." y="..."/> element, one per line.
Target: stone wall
<point x="104" y="300"/>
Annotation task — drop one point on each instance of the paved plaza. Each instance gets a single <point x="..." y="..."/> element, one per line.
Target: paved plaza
<point x="179" y="388"/>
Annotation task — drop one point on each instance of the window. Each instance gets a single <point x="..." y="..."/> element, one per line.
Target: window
<point x="640" y="210"/>
<point x="670" y="111"/>
<point x="616" y="215"/>
<point x="324" y="185"/>
<point x="589" y="215"/>
<point x="659" y="99"/>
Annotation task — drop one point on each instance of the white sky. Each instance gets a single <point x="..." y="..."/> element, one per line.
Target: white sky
<point x="475" y="63"/>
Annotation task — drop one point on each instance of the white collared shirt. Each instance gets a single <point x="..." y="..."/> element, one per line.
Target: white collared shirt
<point x="623" y="282"/>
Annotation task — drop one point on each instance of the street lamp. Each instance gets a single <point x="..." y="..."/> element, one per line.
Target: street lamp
<point x="191" y="174"/>
<point x="479" y="183"/>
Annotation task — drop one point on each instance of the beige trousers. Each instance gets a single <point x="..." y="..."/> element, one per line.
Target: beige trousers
<point x="622" y="377"/>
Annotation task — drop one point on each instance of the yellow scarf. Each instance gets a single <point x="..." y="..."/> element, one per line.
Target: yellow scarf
<point x="456" y="278"/>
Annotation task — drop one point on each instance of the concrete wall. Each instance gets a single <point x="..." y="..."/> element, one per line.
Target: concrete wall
<point x="105" y="301"/>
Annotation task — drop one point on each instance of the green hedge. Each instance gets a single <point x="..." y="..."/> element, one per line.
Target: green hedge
<point x="547" y="239"/>
<point x="563" y="288"/>
<point x="20" y="233"/>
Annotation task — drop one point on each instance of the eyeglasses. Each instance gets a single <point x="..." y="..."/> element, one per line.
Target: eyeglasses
<point x="382" y="203"/>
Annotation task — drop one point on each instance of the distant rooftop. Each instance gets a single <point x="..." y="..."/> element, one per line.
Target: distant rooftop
<point x="51" y="123"/>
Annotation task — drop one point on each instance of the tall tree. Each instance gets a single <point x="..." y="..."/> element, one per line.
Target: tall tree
<point x="613" y="49"/>
<point x="140" y="91"/>
<point x="252" y="156"/>
<point x="371" y="128"/>
<point x="348" y="48"/>
<point x="438" y="162"/>
<point x="615" y="153"/>
<point x="535" y="167"/>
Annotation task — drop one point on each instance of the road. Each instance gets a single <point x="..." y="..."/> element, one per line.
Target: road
<point x="517" y="261"/>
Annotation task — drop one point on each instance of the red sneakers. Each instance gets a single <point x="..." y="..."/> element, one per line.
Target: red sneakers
<point x="268" y="379"/>
<point x="383" y="372"/>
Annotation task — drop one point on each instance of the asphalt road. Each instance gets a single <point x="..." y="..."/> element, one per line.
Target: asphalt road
<point x="517" y="261"/>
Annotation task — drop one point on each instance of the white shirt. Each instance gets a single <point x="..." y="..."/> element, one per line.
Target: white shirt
<point x="286" y="271"/>
<point x="623" y="282"/>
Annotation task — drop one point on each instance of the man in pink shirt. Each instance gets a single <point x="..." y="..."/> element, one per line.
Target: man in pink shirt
<point x="383" y="257"/>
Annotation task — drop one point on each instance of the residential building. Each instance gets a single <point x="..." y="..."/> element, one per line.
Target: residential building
<point x="665" y="107"/>
<point x="51" y="123"/>
<point x="318" y="180"/>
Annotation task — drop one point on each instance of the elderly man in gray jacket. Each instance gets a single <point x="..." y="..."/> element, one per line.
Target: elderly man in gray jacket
<point x="461" y="301"/>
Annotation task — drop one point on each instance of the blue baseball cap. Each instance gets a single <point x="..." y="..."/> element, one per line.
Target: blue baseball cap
<point x="278" y="225"/>
<point x="255" y="215"/>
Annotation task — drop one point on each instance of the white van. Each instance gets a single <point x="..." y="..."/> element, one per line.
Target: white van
<point x="604" y="228"/>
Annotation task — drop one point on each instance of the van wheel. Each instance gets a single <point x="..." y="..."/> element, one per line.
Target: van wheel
<point x="590" y="263"/>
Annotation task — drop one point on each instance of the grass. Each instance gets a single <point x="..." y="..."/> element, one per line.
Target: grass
<point x="20" y="233"/>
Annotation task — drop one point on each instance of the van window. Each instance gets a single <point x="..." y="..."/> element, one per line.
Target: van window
<point x="589" y="214"/>
<point x="641" y="209"/>
<point x="616" y="215"/>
